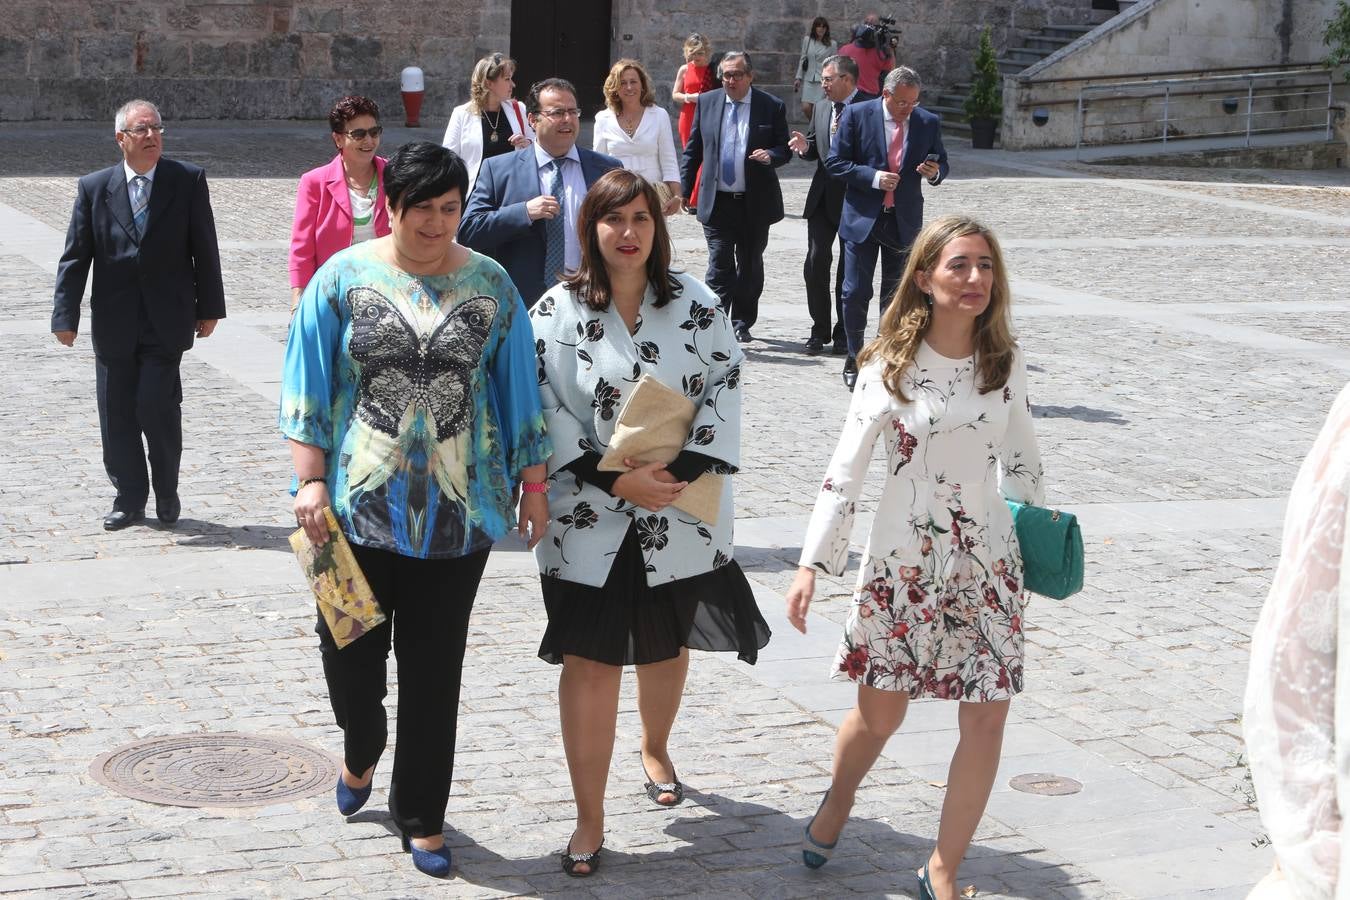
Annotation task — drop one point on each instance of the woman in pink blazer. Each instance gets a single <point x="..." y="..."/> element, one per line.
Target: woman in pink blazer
<point x="341" y="203"/>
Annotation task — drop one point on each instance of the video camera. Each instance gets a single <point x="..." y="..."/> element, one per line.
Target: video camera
<point x="882" y="35"/>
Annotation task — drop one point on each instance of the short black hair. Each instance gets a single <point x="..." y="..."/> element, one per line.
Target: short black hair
<point x="547" y="84"/>
<point x="421" y="170"/>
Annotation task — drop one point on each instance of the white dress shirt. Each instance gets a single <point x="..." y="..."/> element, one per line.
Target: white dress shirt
<point x="650" y="152"/>
<point x="890" y="136"/>
<point x="574" y="190"/>
<point x="741" y="138"/>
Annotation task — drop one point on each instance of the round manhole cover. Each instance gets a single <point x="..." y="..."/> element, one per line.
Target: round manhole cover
<point x="229" y="769"/>
<point x="1045" y="783"/>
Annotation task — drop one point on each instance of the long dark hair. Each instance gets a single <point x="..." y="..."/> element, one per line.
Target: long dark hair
<point x="820" y="20"/>
<point x="616" y="188"/>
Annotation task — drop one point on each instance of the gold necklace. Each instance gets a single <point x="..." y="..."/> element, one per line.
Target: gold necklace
<point x="630" y="129"/>
<point x="496" y="126"/>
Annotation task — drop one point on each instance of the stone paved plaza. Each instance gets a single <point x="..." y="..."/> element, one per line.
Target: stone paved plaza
<point x="1187" y="331"/>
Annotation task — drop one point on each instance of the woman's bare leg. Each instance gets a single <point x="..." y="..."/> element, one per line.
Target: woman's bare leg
<point x="862" y="736"/>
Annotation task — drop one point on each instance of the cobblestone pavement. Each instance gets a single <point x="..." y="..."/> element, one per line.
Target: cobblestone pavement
<point x="1186" y="331"/>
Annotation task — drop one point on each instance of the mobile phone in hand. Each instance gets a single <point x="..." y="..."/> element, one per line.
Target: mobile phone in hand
<point x="932" y="157"/>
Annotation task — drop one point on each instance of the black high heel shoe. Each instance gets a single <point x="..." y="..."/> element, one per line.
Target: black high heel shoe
<point x="435" y="863"/>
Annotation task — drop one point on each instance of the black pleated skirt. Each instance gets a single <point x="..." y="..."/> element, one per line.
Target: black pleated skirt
<point x="627" y="622"/>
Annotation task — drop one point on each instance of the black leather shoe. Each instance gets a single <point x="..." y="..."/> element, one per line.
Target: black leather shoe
<point x="814" y="345"/>
<point x="168" y="512"/>
<point x="840" y="348"/>
<point x="743" y="334"/>
<point x="118" y="519"/>
<point x="850" y="373"/>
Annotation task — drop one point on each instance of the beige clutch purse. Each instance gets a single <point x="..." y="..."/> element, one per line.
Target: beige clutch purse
<point x="652" y="427"/>
<point x="345" y="599"/>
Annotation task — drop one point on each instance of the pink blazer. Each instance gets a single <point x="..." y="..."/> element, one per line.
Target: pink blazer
<point x="323" y="218"/>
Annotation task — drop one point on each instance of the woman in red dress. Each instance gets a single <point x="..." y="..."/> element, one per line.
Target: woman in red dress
<point x="693" y="78"/>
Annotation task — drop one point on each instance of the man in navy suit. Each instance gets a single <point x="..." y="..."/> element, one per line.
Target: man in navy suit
<point x="146" y="227"/>
<point x="884" y="149"/>
<point x="523" y="209"/>
<point x="740" y="136"/>
<point x="824" y="202"/>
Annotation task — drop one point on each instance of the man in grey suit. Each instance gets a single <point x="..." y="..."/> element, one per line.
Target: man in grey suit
<point x="146" y="227"/>
<point x="523" y="208"/>
<point x="824" y="201"/>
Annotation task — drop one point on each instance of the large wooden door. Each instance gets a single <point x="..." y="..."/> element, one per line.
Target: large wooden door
<point x="563" y="38"/>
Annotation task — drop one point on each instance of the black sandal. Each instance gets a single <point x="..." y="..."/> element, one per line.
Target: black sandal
<point x="656" y="788"/>
<point x="571" y="860"/>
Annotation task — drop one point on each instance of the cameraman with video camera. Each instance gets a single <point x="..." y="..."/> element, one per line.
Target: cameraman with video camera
<point x="873" y="48"/>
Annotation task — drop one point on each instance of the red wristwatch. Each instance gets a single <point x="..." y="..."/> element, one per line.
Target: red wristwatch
<point x="534" y="487"/>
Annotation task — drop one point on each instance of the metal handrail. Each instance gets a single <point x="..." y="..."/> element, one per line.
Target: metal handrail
<point x="1163" y="88"/>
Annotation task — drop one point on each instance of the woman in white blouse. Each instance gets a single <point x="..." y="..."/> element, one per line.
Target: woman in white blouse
<point x="492" y="122"/>
<point x="634" y="130"/>
<point x="1298" y="745"/>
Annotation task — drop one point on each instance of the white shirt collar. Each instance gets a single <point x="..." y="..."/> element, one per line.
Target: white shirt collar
<point x="745" y="99"/>
<point x="542" y="157"/>
<point x="131" y="173"/>
<point x="851" y="94"/>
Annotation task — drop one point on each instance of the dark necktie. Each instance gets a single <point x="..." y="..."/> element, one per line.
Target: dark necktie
<point x="555" y="240"/>
<point x="838" y="111"/>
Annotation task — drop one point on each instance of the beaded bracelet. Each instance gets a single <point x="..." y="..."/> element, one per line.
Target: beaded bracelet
<point x="535" y="487"/>
<point x="306" y="482"/>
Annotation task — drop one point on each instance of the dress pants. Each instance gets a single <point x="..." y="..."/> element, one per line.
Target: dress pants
<point x="736" y="244"/>
<point x="141" y="394"/>
<point x="427" y="602"/>
<point x="860" y="261"/>
<point x="820" y="238"/>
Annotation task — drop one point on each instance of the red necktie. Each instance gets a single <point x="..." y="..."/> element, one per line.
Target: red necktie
<point x="893" y="160"/>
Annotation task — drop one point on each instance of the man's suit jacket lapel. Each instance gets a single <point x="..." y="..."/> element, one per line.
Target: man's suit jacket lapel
<point x="590" y="167"/>
<point x="713" y="127"/>
<point x="119" y="204"/>
<point x="161" y="194"/>
<point x="821" y="119"/>
<point x="879" y="133"/>
<point x="915" y="124"/>
<point x="525" y="176"/>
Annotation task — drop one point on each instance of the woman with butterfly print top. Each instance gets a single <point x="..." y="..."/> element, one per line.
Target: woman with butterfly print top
<point x="410" y="403"/>
<point x="628" y="578"/>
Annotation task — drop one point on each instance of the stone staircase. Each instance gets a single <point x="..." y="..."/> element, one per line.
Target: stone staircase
<point x="950" y="103"/>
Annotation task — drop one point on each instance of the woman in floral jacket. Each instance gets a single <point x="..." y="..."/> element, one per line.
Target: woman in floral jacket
<point x="938" y="608"/>
<point x="629" y="579"/>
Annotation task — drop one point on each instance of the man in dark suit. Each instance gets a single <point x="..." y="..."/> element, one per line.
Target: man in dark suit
<point x="523" y="209"/>
<point x="146" y="226"/>
<point x="824" y="201"/>
<point x="883" y="151"/>
<point x="740" y="136"/>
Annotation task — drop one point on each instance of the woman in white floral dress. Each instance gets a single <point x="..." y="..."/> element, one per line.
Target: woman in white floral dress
<point x="938" y="608"/>
<point x="628" y="578"/>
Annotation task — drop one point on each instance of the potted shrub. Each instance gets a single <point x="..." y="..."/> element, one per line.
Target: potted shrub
<point x="984" y="104"/>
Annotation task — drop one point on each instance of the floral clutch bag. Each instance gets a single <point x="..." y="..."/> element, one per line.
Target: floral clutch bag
<point x="344" y="595"/>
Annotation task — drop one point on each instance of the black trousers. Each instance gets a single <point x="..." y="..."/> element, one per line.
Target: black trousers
<point x="736" y="244"/>
<point x="141" y="395"/>
<point x="428" y="603"/>
<point x="820" y="238"/>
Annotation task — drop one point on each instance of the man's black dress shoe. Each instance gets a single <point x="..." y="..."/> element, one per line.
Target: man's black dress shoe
<point x="814" y="345"/>
<point x="840" y="348"/>
<point x="168" y="512"/>
<point x="118" y="519"/>
<point x="850" y="372"/>
<point x="743" y="334"/>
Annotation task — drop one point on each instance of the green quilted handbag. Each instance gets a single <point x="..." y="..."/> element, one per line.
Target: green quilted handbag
<point x="1052" y="550"/>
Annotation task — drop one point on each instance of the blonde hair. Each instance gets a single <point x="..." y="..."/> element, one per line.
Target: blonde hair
<point x="611" y="88"/>
<point x="489" y="68"/>
<point x="696" y="43"/>
<point x="909" y="314"/>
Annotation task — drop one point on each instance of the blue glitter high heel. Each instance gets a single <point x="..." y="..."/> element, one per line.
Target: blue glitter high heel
<point x="814" y="853"/>
<point x="350" y="799"/>
<point x="435" y="863"/>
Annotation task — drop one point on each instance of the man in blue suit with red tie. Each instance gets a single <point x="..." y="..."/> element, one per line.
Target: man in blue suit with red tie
<point x="883" y="150"/>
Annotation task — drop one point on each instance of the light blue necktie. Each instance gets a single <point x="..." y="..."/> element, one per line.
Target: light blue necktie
<point x="555" y="241"/>
<point x="729" y="141"/>
<point x="140" y="202"/>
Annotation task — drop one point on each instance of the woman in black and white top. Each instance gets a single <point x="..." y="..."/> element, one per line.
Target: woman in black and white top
<point x="492" y="122"/>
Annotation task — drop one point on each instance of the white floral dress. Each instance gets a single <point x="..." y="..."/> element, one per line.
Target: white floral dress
<point x="938" y="607"/>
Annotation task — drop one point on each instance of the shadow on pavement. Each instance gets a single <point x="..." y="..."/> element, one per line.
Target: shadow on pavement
<point x="199" y="533"/>
<point x="1081" y="413"/>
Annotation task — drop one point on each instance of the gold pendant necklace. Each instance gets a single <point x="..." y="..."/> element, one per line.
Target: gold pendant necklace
<point x="496" y="126"/>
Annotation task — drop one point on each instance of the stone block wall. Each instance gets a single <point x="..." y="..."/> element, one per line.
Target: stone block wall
<point x="270" y="59"/>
